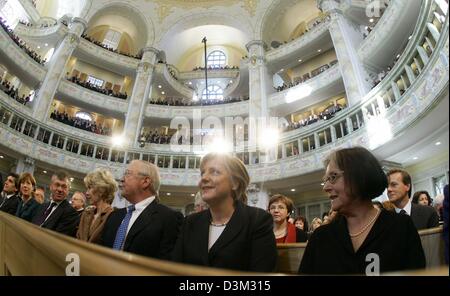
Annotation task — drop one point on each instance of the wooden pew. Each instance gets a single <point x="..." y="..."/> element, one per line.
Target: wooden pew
<point x="290" y="255"/>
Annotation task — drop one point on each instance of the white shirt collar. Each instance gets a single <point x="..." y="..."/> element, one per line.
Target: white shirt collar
<point x="407" y="208"/>
<point x="140" y="206"/>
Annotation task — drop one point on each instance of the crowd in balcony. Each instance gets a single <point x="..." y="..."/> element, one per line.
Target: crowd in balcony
<point x="216" y="68"/>
<point x="154" y="137"/>
<point x="102" y="90"/>
<point x="98" y="43"/>
<point x="83" y="124"/>
<point x="186" y="103"/>
<point x="306" y="76"/>
<point x="327" y="114"/>
<point x="9" y="89"/>
<point x="34" y="55"/>
<point x="28" y="24"/>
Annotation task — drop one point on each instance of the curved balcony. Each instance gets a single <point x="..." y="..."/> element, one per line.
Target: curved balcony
<point x="380" y="123"/>
<point x="162" y="69"/>
<point x="80" y="96"/>
<point x="395" y="25"/>
<point x="22" y="65"/>
<point x="284" y="55"/>
<point x="77" y="133"/>
<point x="213" y="73"/>
<point x="97" y="55"/>
<point x="324" y="85"/>
<point x="223" y="110"/>
<point x="57" y="31"/>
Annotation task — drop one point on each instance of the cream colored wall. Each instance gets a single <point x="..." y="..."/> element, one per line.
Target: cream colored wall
<point x="422" y="173"/>
<point x="304" y="11"/>
<point x="196" y="57"/>
<point x="107" y="76"/>
<point x="47" y="7"/>
<point x="312" y="64"/>
<point x="309" y="197"/>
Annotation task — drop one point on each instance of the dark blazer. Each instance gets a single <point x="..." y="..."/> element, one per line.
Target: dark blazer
<point x="153" y="234"/>
<point x="27" y="210"/>
<point x="393" y="238"/>
<point x="11" y="204"/>
<point x="247" y="242"/>
<point x="424" y="216"/>
<point x="64" y="218"/>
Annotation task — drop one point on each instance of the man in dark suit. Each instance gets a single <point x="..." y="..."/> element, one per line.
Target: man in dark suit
<point x="146" y="227"/>
<point x="399" y="191"/>
<point x="9" y="198"/>
<point x="58" y="214"/>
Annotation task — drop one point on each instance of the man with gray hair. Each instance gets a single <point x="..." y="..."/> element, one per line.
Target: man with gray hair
<point x="199" y="204"/>
<point x="58" y="214"/>
<point x="146" y="227"/>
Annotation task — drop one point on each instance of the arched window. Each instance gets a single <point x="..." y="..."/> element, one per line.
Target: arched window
<point x="215" y="92"/>
<point x="112" y="39"/>
<point x="84" y="115"/>
<point x="216" y="59"/>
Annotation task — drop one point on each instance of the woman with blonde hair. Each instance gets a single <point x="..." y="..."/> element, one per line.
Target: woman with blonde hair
<point x="28" y="206"/>
<point x="229" y="234"/>
<point x="101" y="188"/>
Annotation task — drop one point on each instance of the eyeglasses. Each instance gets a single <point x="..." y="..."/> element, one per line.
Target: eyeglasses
<point x="332" y="178"/>
<point x="130" y="173"/>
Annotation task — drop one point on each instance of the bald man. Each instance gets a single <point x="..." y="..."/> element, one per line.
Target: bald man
<point x="146" y="227"/>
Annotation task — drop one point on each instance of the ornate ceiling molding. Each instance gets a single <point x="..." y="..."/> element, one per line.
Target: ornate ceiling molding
<point x="166" y="7"/>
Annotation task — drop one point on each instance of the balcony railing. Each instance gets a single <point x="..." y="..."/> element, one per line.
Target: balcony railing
<point x="394" y="104"/>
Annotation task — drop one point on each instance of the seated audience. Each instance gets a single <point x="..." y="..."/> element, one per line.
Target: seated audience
<point x="58" y="215"/>
<point x="230" y="234"/>
<point x="28" y="206"/>
<point x="9" y="198"/>
<point x="102" y="90"/>
<point x="101" y="188"/>
<point x="316" y="223"/>
<point x="84" y="124"/>
<point x="353" y="178"/>
<point x="78" y="202"/>
<point x="90" y="39"/>
<point x="199" y="203"/>
<point x="30" y="52"/>
<point x="422" y="198"/>
<point x="329" y="217"/>
<point x="146" y="227"/>
<point x="39" y="195"/>
<point x="280" y="208"/>
<point x="302" y="226"/>
<point x="399" y="191"/>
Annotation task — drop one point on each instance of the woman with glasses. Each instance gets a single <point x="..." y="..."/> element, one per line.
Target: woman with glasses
<point x="101" y="188"/>
<point x="362" y="239"/>
<point x="229" y="234"/>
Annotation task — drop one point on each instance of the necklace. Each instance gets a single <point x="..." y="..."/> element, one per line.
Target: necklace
<point x="218" y="225"/>
<point x="367" y="226"/>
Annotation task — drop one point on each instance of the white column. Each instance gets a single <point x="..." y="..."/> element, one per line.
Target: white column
<point x="57" y="64"/>
<point x="346" y="39"/>
<point x="259" y="82"/>
<point x="140" y="96"/>
<point x="25" y="165"/>
<point x="30" y="10"/>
